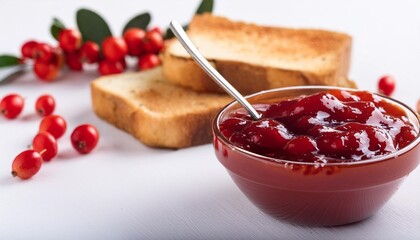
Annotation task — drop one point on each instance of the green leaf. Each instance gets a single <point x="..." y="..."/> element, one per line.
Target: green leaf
<point x="205" y="6"/>
<point x="169" y="34"/>
<point x="92" y="26"/>
<point x="9" y="60"/>
<point x="139" y="21"/>
<point x="56" y="28"/>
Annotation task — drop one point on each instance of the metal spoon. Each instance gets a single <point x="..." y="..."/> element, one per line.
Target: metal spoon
<point x="209" y="69"/>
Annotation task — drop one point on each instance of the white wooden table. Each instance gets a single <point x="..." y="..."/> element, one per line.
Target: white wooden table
<point x="124" y="190"/>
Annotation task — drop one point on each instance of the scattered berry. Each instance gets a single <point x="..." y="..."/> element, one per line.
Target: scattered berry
<point x="26" y="164"/>
<point x="45" y="105"/>
<point x="386" y="85"/>
<point x="84" y="138"/>
<point x="54" y="124"/>
<point x="134" y="37"/>
<point x="148" y="61"/>
<point x="45" y="144"/>
<point x="89" y="52"/>
<point x="70" y="40"/>
<point x="28" y="49"/>
<point x="114" y="48"/>
<point x="11" y="105"/>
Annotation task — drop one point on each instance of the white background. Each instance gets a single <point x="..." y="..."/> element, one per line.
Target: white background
<point x="125" y="190"/>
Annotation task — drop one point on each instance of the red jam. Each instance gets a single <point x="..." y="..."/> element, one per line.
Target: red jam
<point x="330" y="126"/>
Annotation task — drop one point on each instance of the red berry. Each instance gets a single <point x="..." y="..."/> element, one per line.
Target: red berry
<point x="58" y="57"/>
<point x="89" y="52"/>
<point x="386" y="85"/>
<point x="46" y="71"/>
<point x="156" y="29"/>
<point x="70" y="40"/>
<point x="148" y="61"/>
<point x="28" y="49"/>
<point x="45" y="105"/>
<point x="84" y="138"/>
<point x="134" y="37"/>
<point x="43" y="53"/>
<point x="73" y="61"/>
<point x="26" y="164"/>
<point x="153" y="42"/>
<point x="123" y="63"/>
<point x="46" y="145"/>
<point x="107" y="67"/>
<point x="114" y="48"/>
<point x="54" y="124"/>
<point x="11" y="105"/>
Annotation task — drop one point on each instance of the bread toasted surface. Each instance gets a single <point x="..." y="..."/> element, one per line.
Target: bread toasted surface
<point x="155" y="111"/>
<point x="255" y="58"/>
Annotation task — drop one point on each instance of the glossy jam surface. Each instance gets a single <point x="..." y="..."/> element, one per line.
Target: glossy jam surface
<point x="330" y="126"/>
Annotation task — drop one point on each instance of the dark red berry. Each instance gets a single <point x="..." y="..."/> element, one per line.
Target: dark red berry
<point x="114" y="48"/>
<point x="43" y="53"/>
<point x="84" y="138"/>
<point x="11" y="105"/>
<point x="134" y="38"/>
<point x="73" y="60"/>
<point x="26" y="164"/>
<point x="89" y="52"/>
<point x="54" y="124"/>
<point x="46" y="71"/>
<point x="28" y="49"/>
<point x="45" y="105"/>
<point x="153" y="42"/>
<point x="70" y="40"/>
<point x="148" y="61"/>
<point x="107" y="67"/>
<point x="386" y="85"/>
<point x="45" y="144"/>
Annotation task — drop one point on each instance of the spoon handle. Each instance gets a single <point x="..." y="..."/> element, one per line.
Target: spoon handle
<point x="209" y="69"/>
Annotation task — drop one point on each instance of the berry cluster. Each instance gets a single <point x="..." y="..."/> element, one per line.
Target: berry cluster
<point x="73" y="52"/>
<point x="44" y="145"/>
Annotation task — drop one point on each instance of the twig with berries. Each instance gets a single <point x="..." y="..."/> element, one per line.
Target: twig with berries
<point x="94" y="43"/>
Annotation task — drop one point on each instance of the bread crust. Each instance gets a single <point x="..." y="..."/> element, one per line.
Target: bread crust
<point x="135" y="113"/>
<point x="250" y="77"/>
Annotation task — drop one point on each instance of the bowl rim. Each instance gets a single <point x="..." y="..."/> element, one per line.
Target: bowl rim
<point x="219" y="135"/>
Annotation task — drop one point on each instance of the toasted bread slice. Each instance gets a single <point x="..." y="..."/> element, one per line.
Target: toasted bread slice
<point x="155" y="111"/>
<point x="255" y="58"/>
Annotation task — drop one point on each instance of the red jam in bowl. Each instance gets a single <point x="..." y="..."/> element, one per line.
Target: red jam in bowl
<point x="319" y="156"/>
<point x="330" y="126"/>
